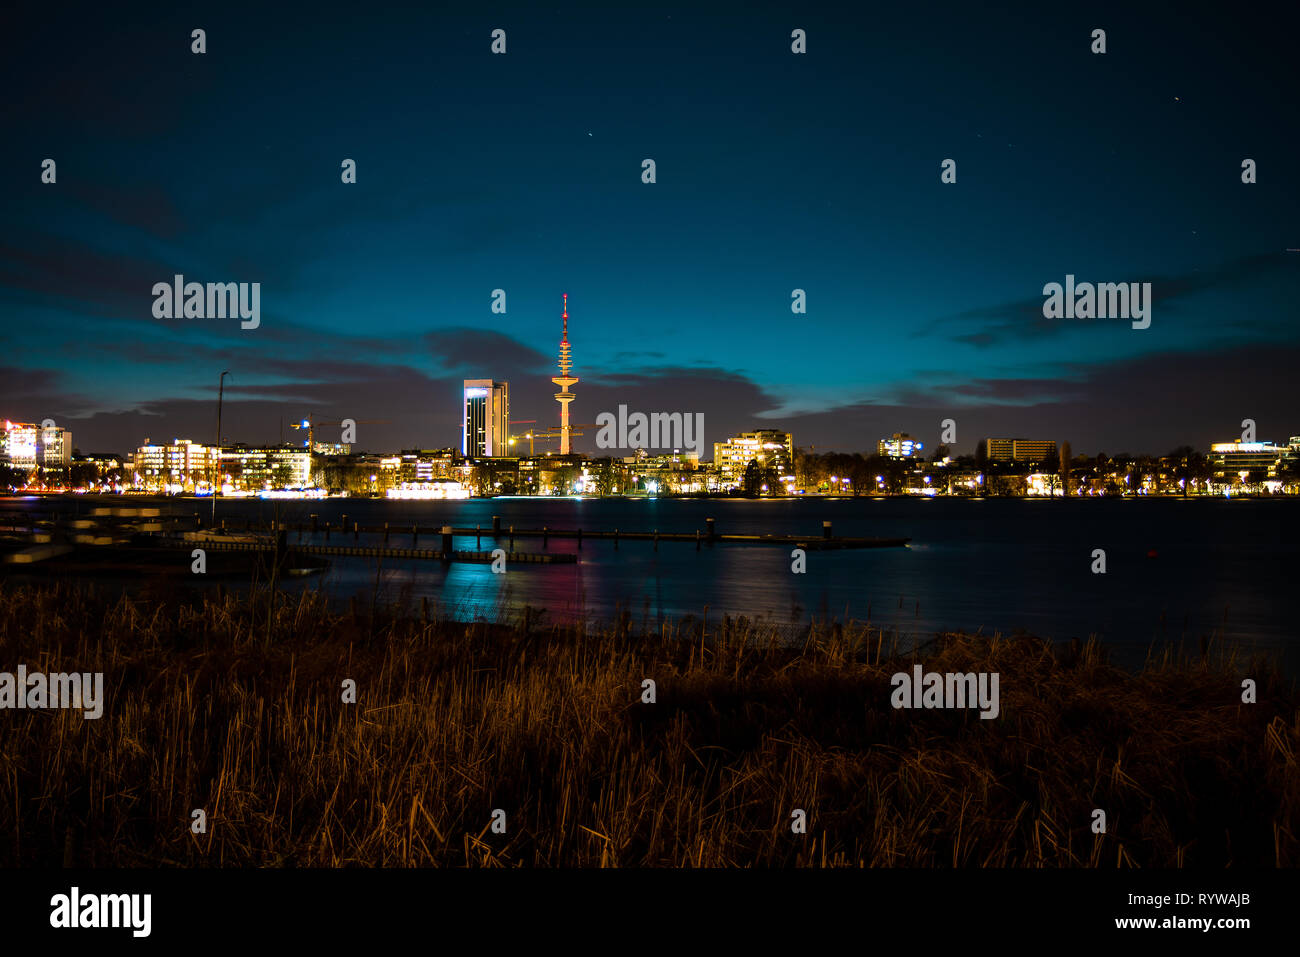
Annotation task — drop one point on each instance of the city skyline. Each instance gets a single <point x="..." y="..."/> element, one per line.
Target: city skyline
<point x="900" y="445"/>
<point x="775" y="172"/>
<point x="753" y="463"/>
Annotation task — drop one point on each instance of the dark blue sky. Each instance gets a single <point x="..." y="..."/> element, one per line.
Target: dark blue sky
<point x="775" y="172"/>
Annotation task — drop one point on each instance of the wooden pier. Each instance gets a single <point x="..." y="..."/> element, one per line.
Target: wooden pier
<point x="152" y="527"/>
<point x="362" y="551"/>
<point x="707" y="536"/>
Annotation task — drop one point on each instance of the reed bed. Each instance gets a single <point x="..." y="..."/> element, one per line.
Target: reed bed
<point x="233" y="704"/>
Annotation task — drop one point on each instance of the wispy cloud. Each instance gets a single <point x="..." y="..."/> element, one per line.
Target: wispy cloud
<point x="1022" y="320"/>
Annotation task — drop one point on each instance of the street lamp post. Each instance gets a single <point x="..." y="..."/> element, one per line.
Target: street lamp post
<point x="212" y="486"/>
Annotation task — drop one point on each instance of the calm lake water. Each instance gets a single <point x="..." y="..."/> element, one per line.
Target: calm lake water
<point x="1221" y="568"/>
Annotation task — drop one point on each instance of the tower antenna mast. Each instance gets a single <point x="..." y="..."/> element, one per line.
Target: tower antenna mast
<point x="564" y="380"/>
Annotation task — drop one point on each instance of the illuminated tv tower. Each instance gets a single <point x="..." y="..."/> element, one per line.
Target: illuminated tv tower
<point x="564" y="380"/>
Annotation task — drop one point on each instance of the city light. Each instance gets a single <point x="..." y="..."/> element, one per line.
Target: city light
<point x="41" y="459"/>
<point x="277" y="493"/>
<point x="429" y="490"/>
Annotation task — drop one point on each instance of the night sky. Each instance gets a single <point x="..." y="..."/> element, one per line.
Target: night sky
<point x="775" y="171"/>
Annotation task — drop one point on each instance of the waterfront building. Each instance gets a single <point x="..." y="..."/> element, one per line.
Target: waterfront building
<point x="1020" y="450"/>
<point x="183" y="466"/>
<point x="27" y="445"/>
<point x="1229" y="459"/>
<point x="677" y="472"/>
<point x="246" y="469"/>
<point x="767" y="447"/>
<point x="18" y="445"/>
<point x="486" y="420"/>
<point x="900" y="445"/>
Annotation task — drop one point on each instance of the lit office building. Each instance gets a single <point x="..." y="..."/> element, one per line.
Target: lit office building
<point x="1020" y="450"/>
<point x="900" y="445"/>
<point x="423" y="465"/>
<point x="1231" y="458"/>
<point x="54" y="447"/>
<point x="18" y="445"/>
<point x="262" y="469"/>
<point x="765" y="446"/>
<point x="487" y="418"/>
<point x="24" y="445"/>
<point x="182" y="466"/>
<point x="185" y="466"/>
<point x="1292" y="450"/>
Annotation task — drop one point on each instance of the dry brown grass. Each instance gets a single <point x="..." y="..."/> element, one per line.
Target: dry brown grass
<point x="457" y="719"/>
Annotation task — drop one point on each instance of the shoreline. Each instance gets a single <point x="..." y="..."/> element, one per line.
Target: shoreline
<point x="812" y="496"/>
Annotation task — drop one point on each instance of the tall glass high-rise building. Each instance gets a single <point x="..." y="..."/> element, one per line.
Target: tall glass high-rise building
<point x="486" y="430"/>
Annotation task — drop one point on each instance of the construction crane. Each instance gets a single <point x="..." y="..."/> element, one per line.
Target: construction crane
<point x="310" y="426"/>
<point x="526" y="435"/>
<point x="542" y="435"/>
